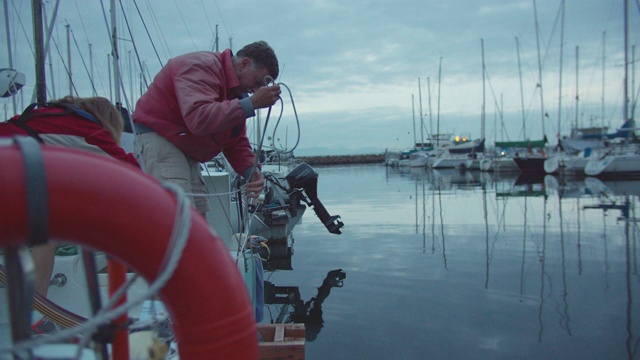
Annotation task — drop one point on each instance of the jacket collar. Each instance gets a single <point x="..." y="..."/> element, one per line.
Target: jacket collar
<point x="226" y="59"/>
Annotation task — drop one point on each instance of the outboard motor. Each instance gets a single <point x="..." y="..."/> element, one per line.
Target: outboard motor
<point x="304" y="177"/>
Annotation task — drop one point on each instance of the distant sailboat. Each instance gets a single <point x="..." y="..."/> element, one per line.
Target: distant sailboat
<point x="530" y="161"/>
<point x="623" y="158"/>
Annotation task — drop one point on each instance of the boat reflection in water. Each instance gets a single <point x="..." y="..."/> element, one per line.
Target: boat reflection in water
<point x="297" y="311"/>
<point x="556" y="257"/>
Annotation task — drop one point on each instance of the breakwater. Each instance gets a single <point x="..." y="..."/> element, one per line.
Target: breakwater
<point x="342" y="159"/>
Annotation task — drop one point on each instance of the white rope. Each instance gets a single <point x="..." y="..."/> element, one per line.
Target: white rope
<point x="108" y="313"/>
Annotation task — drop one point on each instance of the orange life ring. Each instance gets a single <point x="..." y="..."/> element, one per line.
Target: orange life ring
<point x="102" y="203"/>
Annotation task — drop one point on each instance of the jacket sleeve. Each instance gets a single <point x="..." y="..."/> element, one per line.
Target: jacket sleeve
<point x="200" y="93"/>
<point x="239" y="153"/>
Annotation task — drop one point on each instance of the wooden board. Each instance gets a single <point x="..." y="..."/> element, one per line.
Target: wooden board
<point x="281" y="341"/>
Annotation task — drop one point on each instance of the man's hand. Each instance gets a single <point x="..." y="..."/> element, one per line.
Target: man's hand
<point x="255" y="185"/>
<point x="265" y="96"/>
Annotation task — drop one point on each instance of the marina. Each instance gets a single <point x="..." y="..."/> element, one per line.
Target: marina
<point x="458" y="265"/>
<point x="457" y="246"/>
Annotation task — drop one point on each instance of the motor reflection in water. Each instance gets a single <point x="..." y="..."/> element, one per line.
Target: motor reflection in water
<point x="308" y="313"/>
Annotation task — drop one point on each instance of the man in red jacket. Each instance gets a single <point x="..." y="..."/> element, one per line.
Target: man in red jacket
<point x="196" y="108"/>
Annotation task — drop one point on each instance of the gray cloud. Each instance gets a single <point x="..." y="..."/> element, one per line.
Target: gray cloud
<point x="354" y="66"/>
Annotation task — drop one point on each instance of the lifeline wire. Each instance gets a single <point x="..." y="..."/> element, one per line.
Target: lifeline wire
<point x="259" y="149"/>
<point x="173" y="254"/>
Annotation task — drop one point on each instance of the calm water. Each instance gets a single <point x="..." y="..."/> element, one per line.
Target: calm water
<point x="443" y="265"/>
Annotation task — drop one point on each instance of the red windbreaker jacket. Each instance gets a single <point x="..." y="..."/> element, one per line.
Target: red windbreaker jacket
<point x="189" y="104"/>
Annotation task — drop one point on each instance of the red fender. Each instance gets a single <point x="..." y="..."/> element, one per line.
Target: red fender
<point x="105" y="204"/>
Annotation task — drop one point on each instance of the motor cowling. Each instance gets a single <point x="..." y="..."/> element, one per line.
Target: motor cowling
<point x="304" y="177"/>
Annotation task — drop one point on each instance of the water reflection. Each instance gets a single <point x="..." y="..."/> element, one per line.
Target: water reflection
<point x="552" y="214"/>
<point x="292" y="309"/>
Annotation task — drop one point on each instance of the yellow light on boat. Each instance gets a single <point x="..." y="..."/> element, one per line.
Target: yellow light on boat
<point x="457" y="138"/>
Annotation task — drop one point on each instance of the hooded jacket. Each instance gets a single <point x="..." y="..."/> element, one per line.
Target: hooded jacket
<point x="55" y="126"/>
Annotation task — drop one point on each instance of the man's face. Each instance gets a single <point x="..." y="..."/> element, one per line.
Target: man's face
<point x="251" y="78"/>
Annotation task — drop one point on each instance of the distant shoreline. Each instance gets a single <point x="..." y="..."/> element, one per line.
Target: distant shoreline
<point x="342" y="159"/>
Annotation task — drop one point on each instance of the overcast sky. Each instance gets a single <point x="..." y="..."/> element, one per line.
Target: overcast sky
<point x="354" y="67"/>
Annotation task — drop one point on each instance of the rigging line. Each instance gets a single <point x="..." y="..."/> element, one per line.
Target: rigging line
<point x="553" y="30"/>
<point x="12" y="41"/>
<point x="135" y="48"/>
<point x="495" y="100"/>
<point x="186" y="26"/>
<point x="64" y="64"/>
<point x="206" y="16"/>
<point x="106" y="23"/>
<point x="144" y="24"/>
<point x="248" y="218"/>
<point x="221" y="18"/>
<point x="99" y="73"/>
<point x="75" y="41"/>
<point x="154" y="20"/>
<point x="24" y="31"/>
<point x="80" y="16"/>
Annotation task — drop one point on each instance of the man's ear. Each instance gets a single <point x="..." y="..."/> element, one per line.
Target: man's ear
<point x="245" y="63"/>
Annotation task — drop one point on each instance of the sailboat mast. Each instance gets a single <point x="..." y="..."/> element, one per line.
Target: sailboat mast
<point x="40" y="91"/>
<point x="430" y="110"/>
<point x="114" y="53"/>
<point x="413" y="111"/>
<point x="626" y="60"/>
<point x="9" y="50"/>
<point x="438" y="116"/>
<point x="524" y="123"/>
<point x="217" y="40"/>
<point x="604" y="37"/>
<point x="421" y="117"/>
<point x="535" y="12"/>
<point x="69" y="74"/>
<point x="577" y="93"/>
<point x="560" y="80"/>
<point x="484" y="98"/>
<point x="633" y="83"/>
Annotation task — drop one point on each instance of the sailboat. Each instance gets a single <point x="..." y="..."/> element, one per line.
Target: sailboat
<point x="621" y="158"/>
<point x="532" y="162"/>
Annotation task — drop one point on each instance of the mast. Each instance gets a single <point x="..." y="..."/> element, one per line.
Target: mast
<point x="482" y="116"/>
<point x="535" y="12"/>
<point x="604" y="35"/>
<point x="413" y="111"/>
<point x="47" y="50"/>
<point x="626" y="60"/>
<point x="421" y="117"/>
<point x="633" y="82"/>
<point x="9" y="51"/>
<point x="430" y="110"/>
<point x="524" y="124"/>
<point x="68" y="27"/>
<point x="438" y="116"/>
<point x="577" y="96"/>
<point x="116" y="56"/>
<point x="40" y="91"/>
<point x="560" y="82"/>
<point x="217" y="39"/>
